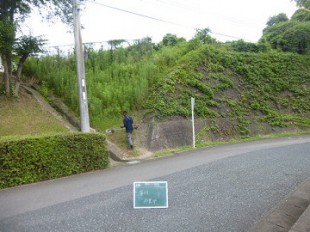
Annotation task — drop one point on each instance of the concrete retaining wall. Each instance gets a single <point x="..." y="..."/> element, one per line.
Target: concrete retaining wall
<point x="156" y="136"/>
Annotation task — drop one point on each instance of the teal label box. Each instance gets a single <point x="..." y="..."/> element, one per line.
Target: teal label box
<point x="150" y="194"/>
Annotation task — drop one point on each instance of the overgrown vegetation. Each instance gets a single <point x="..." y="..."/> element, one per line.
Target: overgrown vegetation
<point x="290" y="35"/>
<point x="116" y="79"/>
<point x="31" y="159"/>
<point x="270" y="86"/>
<point x="265" y="82"/>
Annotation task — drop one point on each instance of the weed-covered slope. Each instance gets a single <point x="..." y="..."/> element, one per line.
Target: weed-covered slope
<point x="272" y="87"/>
<point x="116" y="80"/>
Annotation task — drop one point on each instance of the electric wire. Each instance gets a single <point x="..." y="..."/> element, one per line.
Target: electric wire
<point x="134" y="13"/>
<point x="217" y="14"/>
<point x="161" y="20"/>
<point x="176" y="4"/>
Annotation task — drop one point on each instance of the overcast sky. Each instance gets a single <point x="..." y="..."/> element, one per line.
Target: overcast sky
<point x="227" y="19"/>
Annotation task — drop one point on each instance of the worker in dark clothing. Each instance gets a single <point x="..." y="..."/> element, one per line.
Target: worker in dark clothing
<point x="128" y="124"/>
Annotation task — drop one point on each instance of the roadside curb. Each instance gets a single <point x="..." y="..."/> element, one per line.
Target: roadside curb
<point x="303" y="223"/>
<point x="291" y="214"/>
<point x="115" y="153"/>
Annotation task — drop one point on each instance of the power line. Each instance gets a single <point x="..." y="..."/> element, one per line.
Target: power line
<point x="144" y="16"/>
<point x="199" y="11"/>
<point x="221" y="34"/>
<point x="160" y="20"/>
<point x="137" y="14"/>
<point x="90" y="43"/>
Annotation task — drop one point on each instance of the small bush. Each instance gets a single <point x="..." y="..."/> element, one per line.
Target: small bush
<point x="32" y="159"/>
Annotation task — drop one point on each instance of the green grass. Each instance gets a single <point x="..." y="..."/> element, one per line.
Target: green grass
<point x="24" y="116"/>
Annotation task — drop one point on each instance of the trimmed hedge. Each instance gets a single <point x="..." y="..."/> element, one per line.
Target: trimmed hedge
<point x="32" y="159"/>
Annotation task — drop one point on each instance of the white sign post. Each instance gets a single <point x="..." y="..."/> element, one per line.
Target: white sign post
<point x="193" y="121"/>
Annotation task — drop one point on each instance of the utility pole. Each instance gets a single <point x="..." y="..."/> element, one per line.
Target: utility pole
<point x="80" y="67"/>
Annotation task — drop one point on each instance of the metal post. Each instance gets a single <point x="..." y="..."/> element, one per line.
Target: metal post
<point x="193" y="121"/>
<point x="80" y="67"/>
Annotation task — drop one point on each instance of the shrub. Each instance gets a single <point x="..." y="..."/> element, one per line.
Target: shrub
<point x="31" y="159"/>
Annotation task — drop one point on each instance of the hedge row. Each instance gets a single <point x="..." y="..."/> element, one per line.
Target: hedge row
<point x="32" y="159"/>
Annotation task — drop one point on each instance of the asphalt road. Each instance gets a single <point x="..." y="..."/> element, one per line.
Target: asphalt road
<point x="224" y="188"/>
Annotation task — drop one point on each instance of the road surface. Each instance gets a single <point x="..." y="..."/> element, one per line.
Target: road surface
<point x="223" y="188"/>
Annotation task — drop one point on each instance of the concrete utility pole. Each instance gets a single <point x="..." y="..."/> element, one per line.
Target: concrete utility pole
<point x="80" y="67"/>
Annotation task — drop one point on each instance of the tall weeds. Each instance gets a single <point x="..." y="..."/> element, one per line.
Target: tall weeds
<point x="117" y="80"/>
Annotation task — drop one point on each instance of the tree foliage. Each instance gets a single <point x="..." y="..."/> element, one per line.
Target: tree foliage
<point x="297" y="38"/>
<point x="277" y="19"/>
<point x="25" y="47"/>
<point x="302" y="3"/>
<point x="7" y="36"/>
<point x="28" y="45"/>
<point x="12" y="15"/>
<point x="301" y="15"/>
<point x="242" y="46"/>
<point x="7" y="40"/>
<point x="204" y="36"/>
<point x="289" y="35"/>
<point x="171" y="40"/>
<point x="19" y="9"/>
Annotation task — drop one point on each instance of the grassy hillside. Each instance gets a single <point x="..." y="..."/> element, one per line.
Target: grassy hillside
<point x="268" y="87"/>
<point x="24" y="116"/>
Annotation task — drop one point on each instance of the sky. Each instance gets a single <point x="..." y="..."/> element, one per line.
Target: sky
<point x="227" y="19"/>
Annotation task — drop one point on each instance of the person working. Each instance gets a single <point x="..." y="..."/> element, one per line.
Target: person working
<point x="128" y="124"/>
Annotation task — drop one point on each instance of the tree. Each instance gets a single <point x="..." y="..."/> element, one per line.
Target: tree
<point x="290" y="35"/>
<point x="12" y="14"/>
<point x="242" y="46"/>
<point x="204" y="36"/>
<point x="277" y="19"/>
<point x="302" y="3"/>
<point x="113" y="45"/>
<point x="297" y="38"/>
<point x="171" y="40"/>
<point x="25" y="47"/>
<point x="144" y="46"/>
<point x="7" y="39"/>
<point x="301" y="15"/>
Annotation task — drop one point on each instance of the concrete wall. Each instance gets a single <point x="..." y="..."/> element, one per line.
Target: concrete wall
<point x="155" y="136"/>
<point x="169" y="134"/>
<point x="163" y="135"/>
